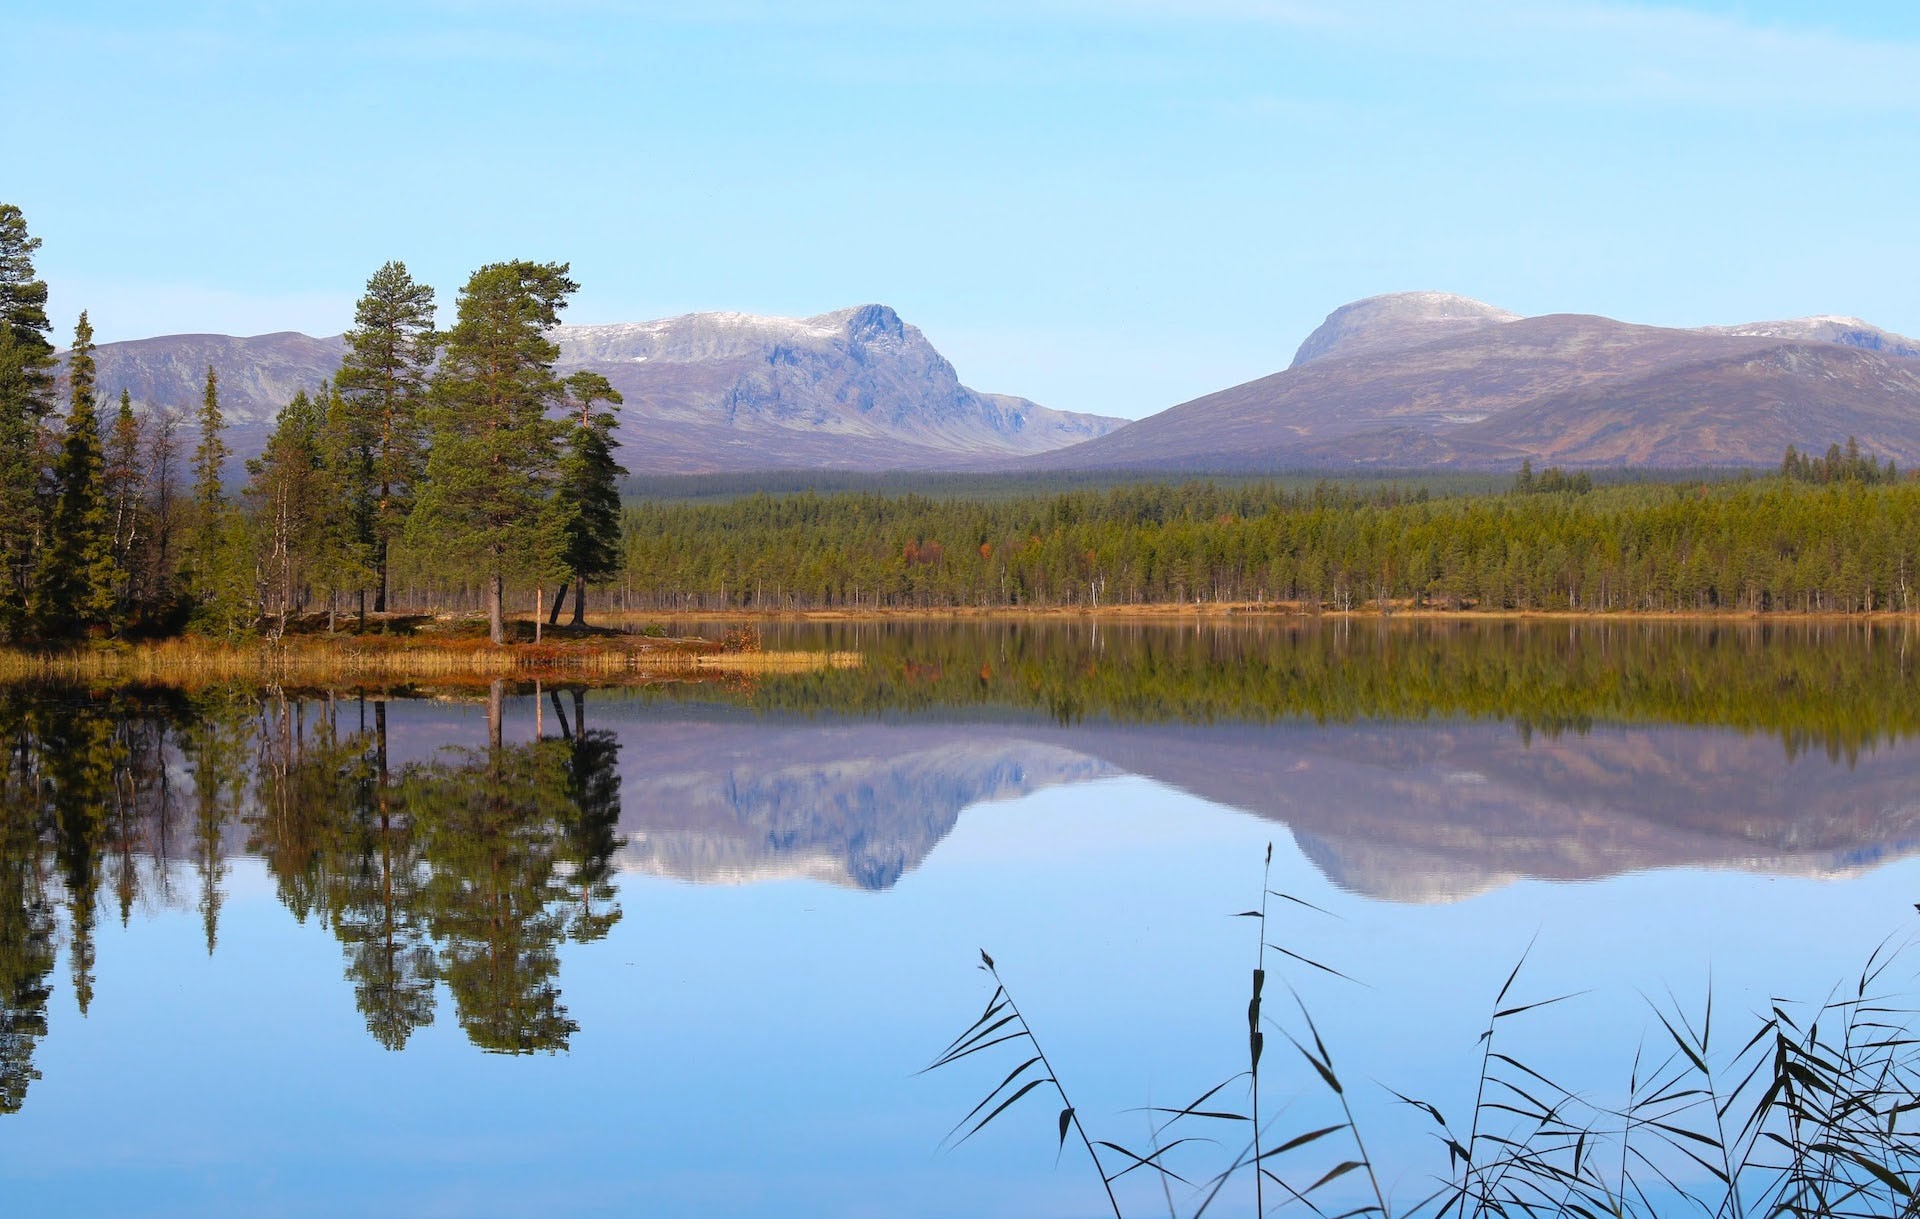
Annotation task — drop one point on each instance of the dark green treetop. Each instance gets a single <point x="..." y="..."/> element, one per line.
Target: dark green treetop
<point x="79" y="582"/>
<point x="488" y="497"/>
<point x="26" y="398"/>
<point x="384" y="381"/>
<point x="23" y="305"/>
<point x="589" y="490"/>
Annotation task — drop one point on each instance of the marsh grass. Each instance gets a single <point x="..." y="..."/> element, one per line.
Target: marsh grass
<point x="1807" y="1109"/>
<point x="448" y="655"/>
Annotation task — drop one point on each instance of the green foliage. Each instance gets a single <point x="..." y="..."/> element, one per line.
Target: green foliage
<point x="79" y="582"/>
<point x="26" y="399"/>
<point x="1839" y="465"/>
<point x="1551" y="481"/>
<point x="347" y="535"/>
<point x="123" y="478"/>
<point x="383" y="383"/>
<point x="588" y="494"/>
<point x="488" y="502"/>
<point x="1757" y="545"/>
<point x="219" y="559"/>
<point x="290" y="502"/>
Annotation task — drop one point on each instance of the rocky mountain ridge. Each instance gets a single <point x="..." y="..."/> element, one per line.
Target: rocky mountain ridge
<point x="1430" y="380"/>
<point x="856" y="388"/>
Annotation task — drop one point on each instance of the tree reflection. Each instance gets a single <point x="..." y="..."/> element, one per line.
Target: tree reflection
<point x="26" y="913"/>
<point x="472" y="868"/>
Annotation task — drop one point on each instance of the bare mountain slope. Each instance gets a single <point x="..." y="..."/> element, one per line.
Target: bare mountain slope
<point x="1425" y="379"/>
<point x="857" y="388"/>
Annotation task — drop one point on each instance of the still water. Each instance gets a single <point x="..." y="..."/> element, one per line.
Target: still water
<point x="681" y="949"/>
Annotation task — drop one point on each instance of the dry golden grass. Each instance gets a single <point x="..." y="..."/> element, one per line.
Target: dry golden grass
<point x="784" y="662"/>
<point x="422" y="650"/>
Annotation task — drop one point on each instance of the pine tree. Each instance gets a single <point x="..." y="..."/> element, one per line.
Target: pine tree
<point x="343" y="561"/>
<point x="217" y="553"/>
<point x="158" y="561"/>
<point x="287" y="496"/>
<point x="495" y="457"/>
<point x="78" y="583"/>
<point x="384" y="381"/>
<point x="122" y="479"/>
<point x="26" y="399"/>
<point x="589" y="492"/>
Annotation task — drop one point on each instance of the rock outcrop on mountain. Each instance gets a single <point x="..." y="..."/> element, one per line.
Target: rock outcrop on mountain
<point x="854" y="389"/>
<point x="1427" y="380"/>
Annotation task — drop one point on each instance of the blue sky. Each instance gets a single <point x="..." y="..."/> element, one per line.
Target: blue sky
<point x="1102" y="206"/>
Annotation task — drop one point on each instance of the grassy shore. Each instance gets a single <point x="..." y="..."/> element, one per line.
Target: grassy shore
<point x="1171" y="611"/>
<point x="412" y="649"/>
<point x="646" y="646"/>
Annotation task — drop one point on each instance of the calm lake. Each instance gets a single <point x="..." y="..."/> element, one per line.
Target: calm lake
<point x="681" y="949"/>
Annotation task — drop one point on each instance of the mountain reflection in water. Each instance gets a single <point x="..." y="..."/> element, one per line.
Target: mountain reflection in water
<point x="455" y="844"/>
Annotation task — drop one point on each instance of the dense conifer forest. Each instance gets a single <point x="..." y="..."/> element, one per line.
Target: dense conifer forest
<point x="456" y="471"/>
<point x="1765" y="544"/>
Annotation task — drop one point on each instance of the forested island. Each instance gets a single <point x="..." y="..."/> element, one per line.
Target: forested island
<point x="450" y="474"/>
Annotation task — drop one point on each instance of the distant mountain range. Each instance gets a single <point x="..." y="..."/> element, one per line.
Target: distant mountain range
<point x="1429" y="380"/>
<point x="1416" y="380"/>
<point x="854" y="389"/>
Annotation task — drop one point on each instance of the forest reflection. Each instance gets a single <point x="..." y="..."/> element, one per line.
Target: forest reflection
<point x="467" y="870"/>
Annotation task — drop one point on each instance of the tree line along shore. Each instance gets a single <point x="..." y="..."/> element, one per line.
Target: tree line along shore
<point x="442" y="474"/>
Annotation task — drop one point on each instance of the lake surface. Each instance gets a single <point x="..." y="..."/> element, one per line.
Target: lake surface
<point x="681" y="949"/>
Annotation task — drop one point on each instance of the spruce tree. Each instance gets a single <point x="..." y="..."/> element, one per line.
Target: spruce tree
<point x="209" y="462"/>
<point x="157" y="563"/>
<point x="217" y="558"/>
<point x="123" y="476"/>
<point x="487" y="500"/>
<point x="343" y="561"/>
<point x="26" y="399"/>
<point x="286" y="494"/>
<point x="589" y="491"/>
<point x="78" y="582"/>
<point x="384" y="380"/>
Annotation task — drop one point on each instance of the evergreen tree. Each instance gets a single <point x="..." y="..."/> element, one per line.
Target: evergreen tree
<point x="496" y="456"/>
<point x="26" y="398"/>
<point x="217" y="551"/>
<point x="122" y="477"/>
<point x="384" y="381"/>
<point x="288" y="498"/>
<point x="345" y="530"/>
<point x="209" y="497"/>
<point x="589" y="492"/>
<point x="158" y="561"/>
<point x="78" y="584"/>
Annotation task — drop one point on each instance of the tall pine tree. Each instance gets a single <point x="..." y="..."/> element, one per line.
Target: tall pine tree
<point x="217" y="554"/>
<point x="78" y="584"/>
<point x="343" y="562"/>
<point x="384" y="381"/>
<point x="287" y="499"/>
<point x="488" y="497"/>
<point x="123" y="476"/>
<point x="26" y="399"/>
<point x="589" y="492"/>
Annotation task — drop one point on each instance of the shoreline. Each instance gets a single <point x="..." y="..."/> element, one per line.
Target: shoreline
<point x="612" y="650"/>
<point x="1260" y="611"/>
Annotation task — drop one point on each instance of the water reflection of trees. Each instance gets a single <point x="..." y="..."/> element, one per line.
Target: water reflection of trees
<point x="470" y="869"/>
<point x="1838" y="687"/>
